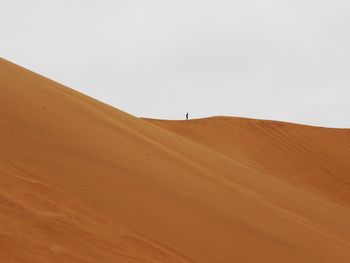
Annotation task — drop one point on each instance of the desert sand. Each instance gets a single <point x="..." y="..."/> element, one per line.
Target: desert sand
<point x="82" y="181"/>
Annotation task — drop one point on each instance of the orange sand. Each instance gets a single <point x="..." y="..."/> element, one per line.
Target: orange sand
<point x="81" y="181"/>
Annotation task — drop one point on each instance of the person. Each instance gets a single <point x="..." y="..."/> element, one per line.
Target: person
<point x="187" y="116"/>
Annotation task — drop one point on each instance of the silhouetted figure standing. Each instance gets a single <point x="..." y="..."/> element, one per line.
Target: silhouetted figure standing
<point x="187" y="116"/>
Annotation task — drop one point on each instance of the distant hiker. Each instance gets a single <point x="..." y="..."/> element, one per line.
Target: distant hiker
<point x="187" y="116"/>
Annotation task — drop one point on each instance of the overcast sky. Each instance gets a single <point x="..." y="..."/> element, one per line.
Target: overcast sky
<point x="273" y="59"/>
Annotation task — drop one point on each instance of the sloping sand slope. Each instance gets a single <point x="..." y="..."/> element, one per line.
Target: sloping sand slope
<point x="83" y="182"/>
<point x="313" y="158"/>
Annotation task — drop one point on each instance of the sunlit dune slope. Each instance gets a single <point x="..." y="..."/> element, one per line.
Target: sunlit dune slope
<point x="313" y="158"/>
<point x="83" y="182"/>
<point x="39" y="224"/>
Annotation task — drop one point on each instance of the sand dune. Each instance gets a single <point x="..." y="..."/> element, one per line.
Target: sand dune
<point x="84" y="182"/>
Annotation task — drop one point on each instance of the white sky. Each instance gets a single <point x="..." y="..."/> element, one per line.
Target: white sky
<point x="274" y="59"/>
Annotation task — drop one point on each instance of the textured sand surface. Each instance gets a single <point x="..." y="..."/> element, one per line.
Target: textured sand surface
<point x="81" y="181"/>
